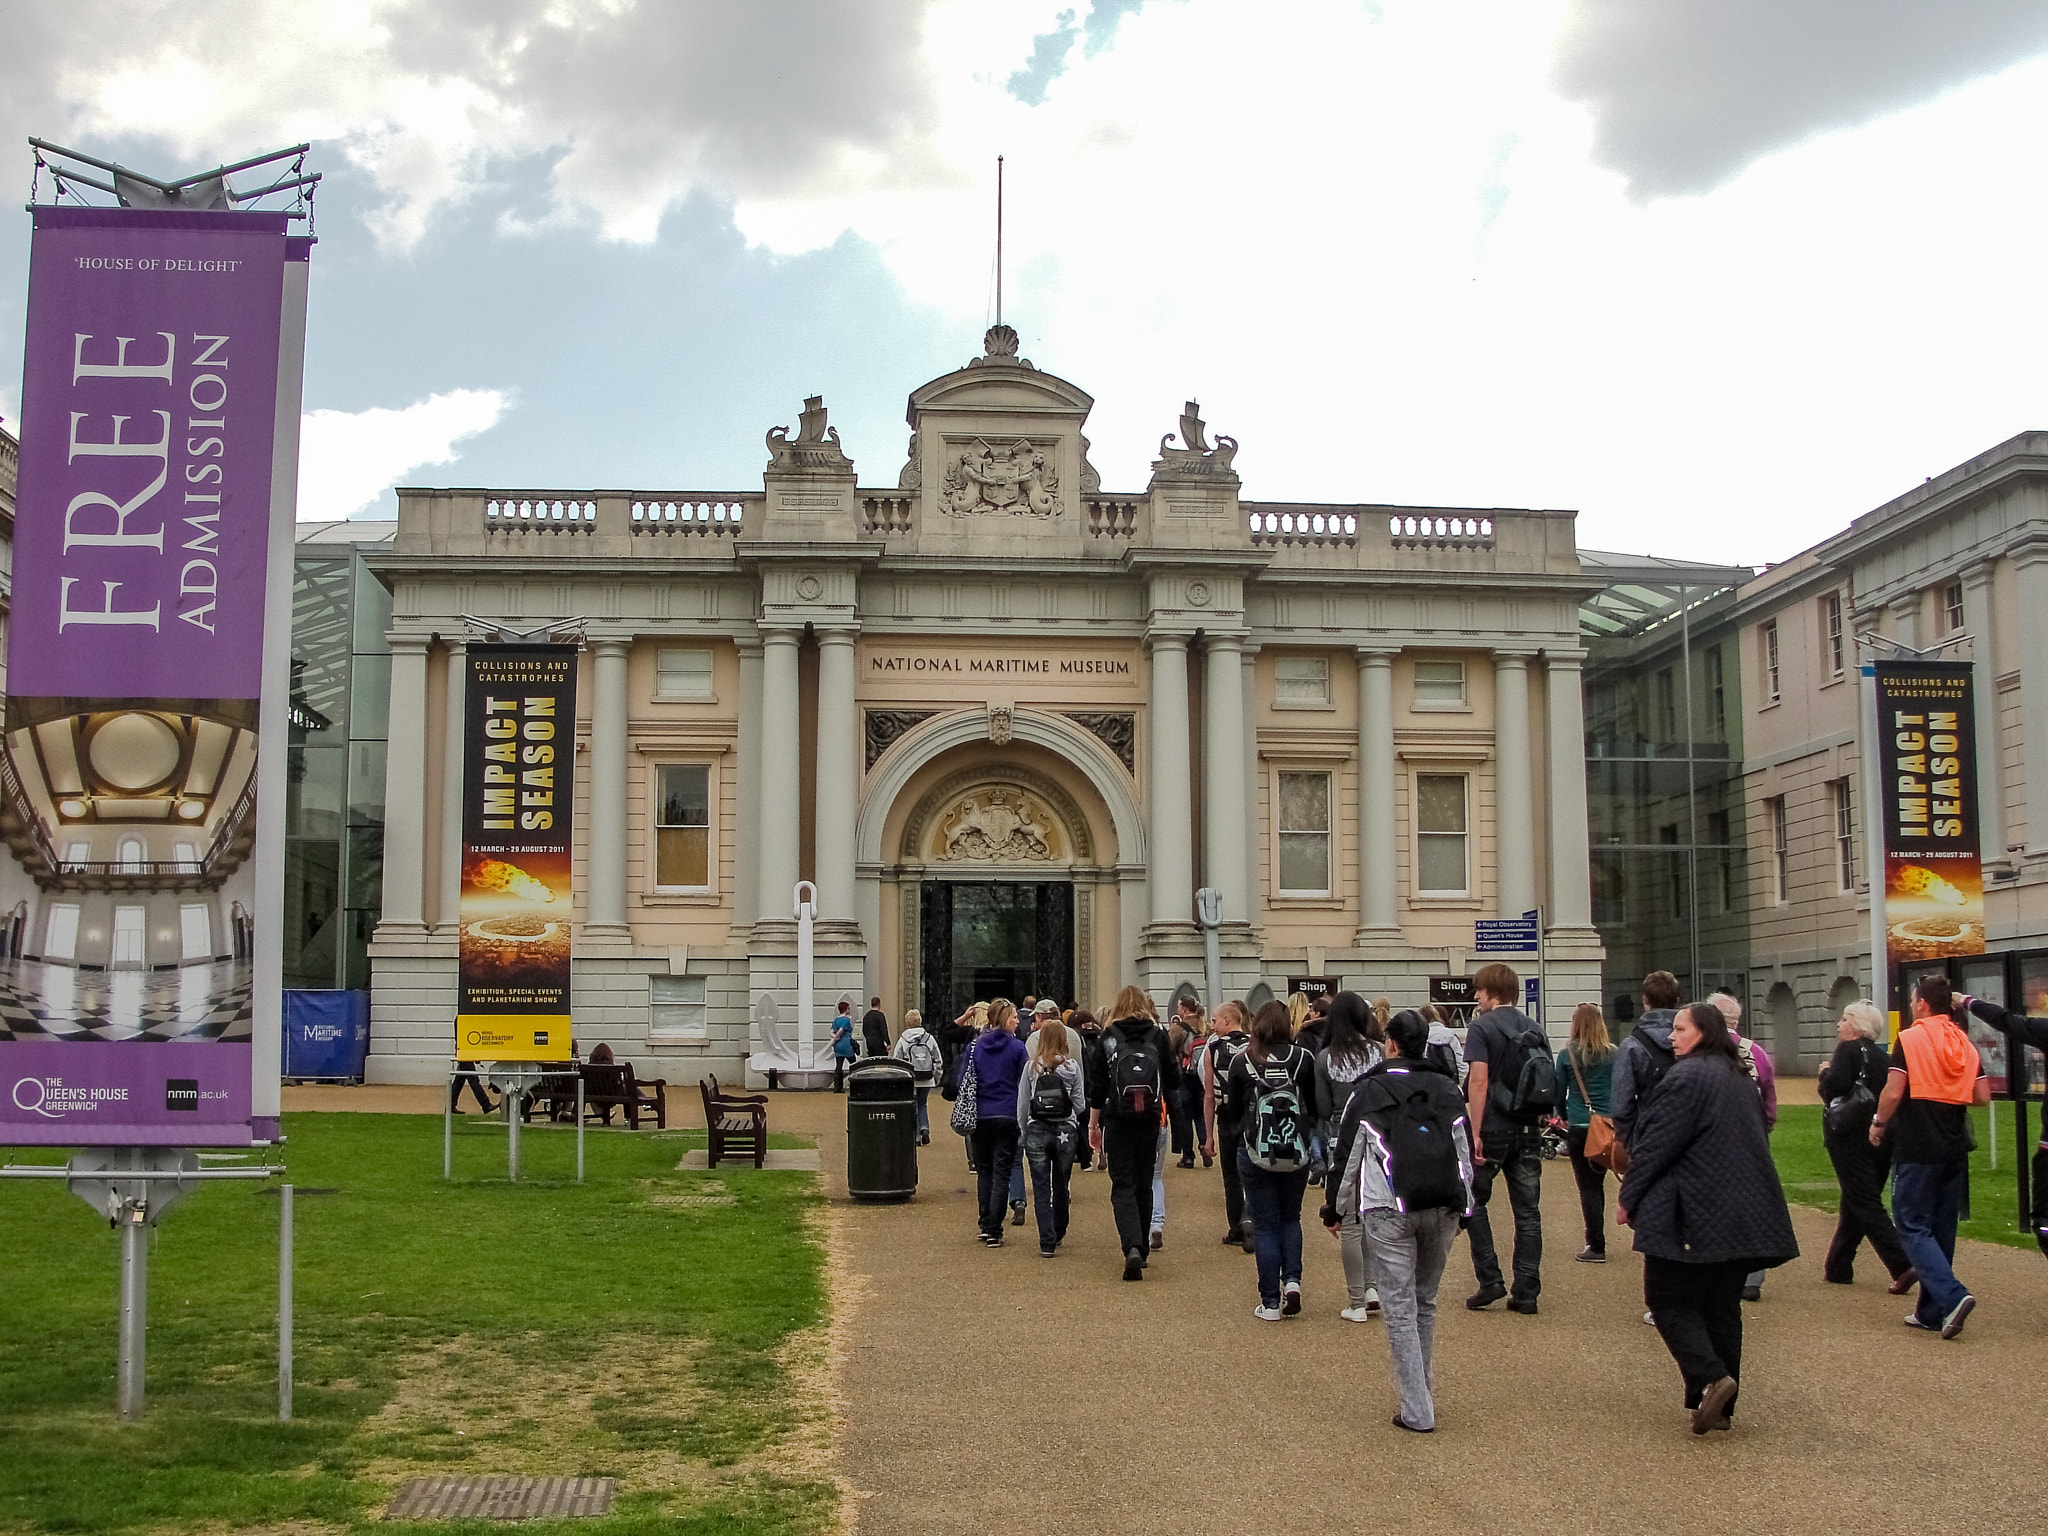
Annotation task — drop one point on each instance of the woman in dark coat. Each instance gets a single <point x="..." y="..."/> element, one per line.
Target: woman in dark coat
<point x="1703" y="1197"/>
<point x="1860" y="1168"/>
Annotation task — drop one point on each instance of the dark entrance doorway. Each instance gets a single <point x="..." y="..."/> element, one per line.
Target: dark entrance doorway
<point x="995" y="938"/>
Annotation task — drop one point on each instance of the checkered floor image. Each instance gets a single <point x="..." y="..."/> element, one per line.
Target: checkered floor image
<point x="57" y="1002"/>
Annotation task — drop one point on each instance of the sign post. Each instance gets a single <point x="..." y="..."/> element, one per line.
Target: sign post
<point x="142" y="756"/>
<point x="1516" y="936"/>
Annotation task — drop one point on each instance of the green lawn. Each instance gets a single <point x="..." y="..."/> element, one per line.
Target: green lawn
<point x="1809" y="1177"/>
<point x="622" y="1327"/>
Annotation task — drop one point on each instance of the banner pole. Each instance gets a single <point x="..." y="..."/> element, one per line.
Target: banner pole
<point x="579" y="1122"/>
<point x="512" y="1142"/>
<point x="1873" y="851"/>
<point x="134" y="1306"/>
<point x="284" y="1307"/>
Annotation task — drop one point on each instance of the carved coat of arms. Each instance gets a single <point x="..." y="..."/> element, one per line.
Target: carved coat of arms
<point x="1012" y="478"/>
<point x="994" y="824"/>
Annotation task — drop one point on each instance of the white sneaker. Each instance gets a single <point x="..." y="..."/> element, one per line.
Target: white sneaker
<point x="1372" y="1300"/>
<point x="1266" y="1314"/>
<point x="1358" y="1314"/>
<point x="1650" y="1318"/>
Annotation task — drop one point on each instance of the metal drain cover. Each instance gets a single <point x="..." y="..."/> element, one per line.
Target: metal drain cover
<point x="501" y="1498"/>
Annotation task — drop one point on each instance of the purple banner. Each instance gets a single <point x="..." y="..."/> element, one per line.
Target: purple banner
<point x="148" y="408"/>
<point x="137" y="1093"/>
<point x="135" y="708"/>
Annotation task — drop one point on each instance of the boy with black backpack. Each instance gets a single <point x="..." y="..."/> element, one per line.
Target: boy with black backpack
<point x="1403" y="1167"/>
<point x="1510" y="1089"/>
<point x="1227" y="1042"/>
<point x="1272" y="1095"/>
<point x="1128" y="1077"/>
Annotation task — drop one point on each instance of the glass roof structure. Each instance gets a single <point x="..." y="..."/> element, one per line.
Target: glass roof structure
<point x="1644" y="591"/>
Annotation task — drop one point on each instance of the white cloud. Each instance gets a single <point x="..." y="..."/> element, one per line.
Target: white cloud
<point x="349" y="459"/>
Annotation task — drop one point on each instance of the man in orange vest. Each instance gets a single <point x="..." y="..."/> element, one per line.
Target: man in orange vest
<point x="1936" y="1075"/>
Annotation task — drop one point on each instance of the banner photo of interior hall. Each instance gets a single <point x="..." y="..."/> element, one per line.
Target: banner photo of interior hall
<point x="130" y="984"/>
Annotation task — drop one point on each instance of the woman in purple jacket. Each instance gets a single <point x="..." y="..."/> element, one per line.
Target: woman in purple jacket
<point x="999" y="1058"/>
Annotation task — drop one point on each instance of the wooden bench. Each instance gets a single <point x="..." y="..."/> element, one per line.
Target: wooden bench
<point x="611" y="1085"/>
<point x="739" y="1120"/>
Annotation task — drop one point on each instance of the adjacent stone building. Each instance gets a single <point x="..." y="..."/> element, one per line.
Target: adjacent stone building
<point x="1005" y="720"/>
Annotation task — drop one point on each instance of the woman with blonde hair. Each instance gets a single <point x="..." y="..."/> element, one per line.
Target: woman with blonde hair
<point x="919" y="1049"/>
<point x="1049" y="1103"/>
<point x="1297" y="1013"/>
<point x="1860" y="1168"/>
<point x="1586" y="1069"/>
<point x="1128" y="1080"/>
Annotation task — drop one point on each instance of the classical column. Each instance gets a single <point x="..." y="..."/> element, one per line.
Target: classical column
<point x="2031" y="565"/>
<point x="606" y="865"/>
<point x="780" y="778"/>
<point x="1378" y="890"/>
<point x="1223" y="839"/>
<point x="746" y="896"/>
<point x="1571" y="879"/>
<point x="454" y="739"/>
<point x="1171" y="878"/>
<point x="1979" y="619"/>
<point x="1514" y="803"/>
<point x="405" y="791"/>
<point x="838" y="776"/>
<point x="1254" y="868"/>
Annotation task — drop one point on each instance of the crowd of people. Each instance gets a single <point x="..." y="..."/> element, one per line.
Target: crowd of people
<point x="1407" y="1123"/>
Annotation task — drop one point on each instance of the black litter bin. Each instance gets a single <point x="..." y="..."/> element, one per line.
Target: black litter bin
<point x="881" y="1130"/>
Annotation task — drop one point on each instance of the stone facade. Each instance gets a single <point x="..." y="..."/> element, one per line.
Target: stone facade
<point x="1360" y="723"/>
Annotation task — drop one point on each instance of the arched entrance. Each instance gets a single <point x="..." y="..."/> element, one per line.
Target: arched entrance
<point x="994" y="865"/>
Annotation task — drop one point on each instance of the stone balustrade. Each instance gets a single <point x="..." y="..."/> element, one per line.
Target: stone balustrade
<point x="712" y="515"/>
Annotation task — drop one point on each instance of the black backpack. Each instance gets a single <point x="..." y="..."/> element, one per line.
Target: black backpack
<point x="1276" y="1124"/>
<point x="1222" y="1052"/>
<point x="1133" y="1074"/>
<point x="1661" y="1060"/>
<point x="1417" y="1133"/>
<point x="1523" y="1085"/>
<point x="1050" y="1099"/>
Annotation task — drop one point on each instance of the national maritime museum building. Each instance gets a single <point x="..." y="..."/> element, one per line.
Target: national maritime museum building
<point x="1006" y="720"/>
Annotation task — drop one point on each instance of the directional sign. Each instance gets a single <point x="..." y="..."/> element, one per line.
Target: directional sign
<point x="1506" y="935"/>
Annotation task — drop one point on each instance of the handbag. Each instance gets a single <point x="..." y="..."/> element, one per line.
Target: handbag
<point x="1603" y="1149"/>
<point x="1850" y="1115"/>
<point x="966" y="1111"/>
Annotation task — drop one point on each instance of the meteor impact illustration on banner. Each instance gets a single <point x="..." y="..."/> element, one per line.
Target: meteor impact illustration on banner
<point x="147" y="523"/>
<point x="519" y="763"/>
<point x="1933" y="876"/>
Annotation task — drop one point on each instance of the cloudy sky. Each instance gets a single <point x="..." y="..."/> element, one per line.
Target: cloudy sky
<point x="1721" y="274"/>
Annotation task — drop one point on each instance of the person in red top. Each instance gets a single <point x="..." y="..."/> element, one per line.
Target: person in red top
<point x="1936" y="1075"/>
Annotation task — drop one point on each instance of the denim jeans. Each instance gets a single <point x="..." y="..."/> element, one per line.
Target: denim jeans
<point x="1017" y="1181"/>
<point x="1159" y="1183"/>
<point x="1273" y="1201"/>
<point x="1927" y="1200"/>
<point x="995" y="1154"/>
<point x="924" y="1121"/>
<point x="1524" y="1170"/>
<point x="1408" y="1253"/>
<point x="1049" y="1149"/>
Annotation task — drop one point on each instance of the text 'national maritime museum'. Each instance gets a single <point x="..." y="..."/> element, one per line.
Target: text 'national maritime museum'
<point x="1008" y="723"/>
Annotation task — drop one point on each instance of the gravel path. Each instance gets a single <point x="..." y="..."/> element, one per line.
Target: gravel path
<point x="1002" y="1391"/>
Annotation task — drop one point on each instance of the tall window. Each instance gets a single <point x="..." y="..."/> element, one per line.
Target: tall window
<point x="130" y="855"/>
<point x="1301" y="682"/>
<point x="1304" y="834"/>
<point x="1676" y="870"/>
<point x="1845" y="839"/>
<point x="1767" y="634"/>
<point x="1835" y="646"/>
<point x="683" y="672"/>
<point x="1667" y="706"/>
<point x="677" y="1010"/>
<point x="1442" y="857"/>
<point x="1781" y="849"/>
<point x="1439" y="684"/>
<point x="682" y="828"/>
<point x="1717" y="693"/>
<point x="1952" y="607"/>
